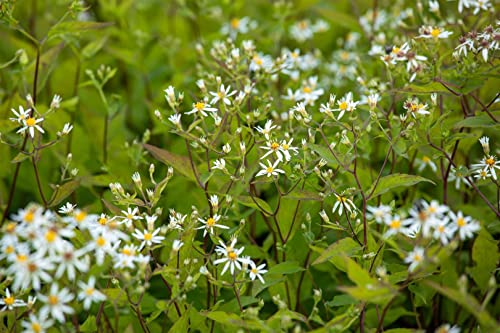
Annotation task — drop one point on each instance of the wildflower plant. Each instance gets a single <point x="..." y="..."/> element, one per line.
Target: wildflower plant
<point x="214" y="167"/>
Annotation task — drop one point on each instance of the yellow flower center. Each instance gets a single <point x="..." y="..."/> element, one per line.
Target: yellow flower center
<point x="199" y="106"/>
<point x="29" y="217"/>
<point x="9" y="249"/>
<point x="11" y="227"/>
<point x="50" y="236"/>
<point x="461" y="222"/>
<point x="303" y="25"/>
<point x="435" y="32"/>
<point x="210" y="222"/>
<point x="21" y="257"/>
<point x="235" y="23"/>
<point x="103" y="220"/>
<point x="307" y="90"/>
<point x="232" y="255"/>
<point x="275" y="146"/>
<point x="9" y="300"/>
<point x="269" y="169"/>
<point x="258" y="60"/>
<point x="490" y="161"/>
<point x="441" y="228"/>
<point x="294" y="55"/>
<point x="36" y="327"/>
<point x="89" y="291"/>
<point x="395" y="224"/>
<point x="343" y="105"/>
<point x="422" y="216"/>
<point x="254" y="270"/>
<point x="342" y="199"/>
<point x="148" y="236"/>
<point x="30" y="122"/>
<point x="344" y="55"/>
<point x="100" y="241"/>
<point x="127" y="252"/>
<point x="395" y="50"/>
<point x="417" y="258"/>
<point x="53" y="300"/>
<point x="80" y="216"/>
<point x="426" y="159"/>
<point x="285" y="146"/>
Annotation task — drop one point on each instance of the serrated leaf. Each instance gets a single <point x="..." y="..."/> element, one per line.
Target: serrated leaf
<point x="62" y="192"/>
<point x="337" y="251"/>
<point x="75" y="27"/>
<point x="178" y="162"/>
<point x="389" y="182"/>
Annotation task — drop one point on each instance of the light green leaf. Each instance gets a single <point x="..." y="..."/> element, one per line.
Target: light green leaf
<point x="485" y="255"/>
<point x="482" y="120"/>
<point x="389" y="182"/>
<point x="246" y="200"/>
<point x="89" y="325"/>
<point x="181" y="324"/>
<point x="429" y="88"/>
<point x="370" y="294"/>
<point x="62" y="192"/>
<point x="75" y="27"/>
<point x="20" y="157"/>
<point x="284" y="268"/>
<point x="336" y="252"/>
<point x="304" y="195"/>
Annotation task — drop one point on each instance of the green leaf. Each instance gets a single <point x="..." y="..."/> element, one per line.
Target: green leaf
<point x="20" y="157"/>
<point x="304" y="195"/>
<point x="324" y="153"/>
<point x="336" y="252"/>
<point x="75" y="27"/>
<point x="482" y="120"/>
<point x="93" y="47"/>
<point x="341" y="300"/>
<point x="181" y="324"/>
<point x="232" y="319"/>
<point x="338" y="17"/>
<point x="358" y="274"/>
<point x="389" y="182"/>
<point x="178" y="162"/>
<point x="469" y="303"/>
<point x="246" y="200"/>
<point x="285" y="268"/>
<point x="429" y="88"/>
<point x="89" y="325"/>
<point x="404" y="330"/>
<point x="485" y="256"/>
<point x="370" y="294"/>
<point x="62" y="192"/>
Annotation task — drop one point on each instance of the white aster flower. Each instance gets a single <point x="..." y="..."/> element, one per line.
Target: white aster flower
<point x="415" y="258"/>
<point x="89" y="294"/>
<point x="30" y="124"/>
<point x="56" y="303"/>
<point x="270" y="169"/>
<point x="211" y="223"/>
<point x="147" y="237"/>
<point x="255" y="271"/>
<point x="231" y="257"/>
<point x="9" y="301"/>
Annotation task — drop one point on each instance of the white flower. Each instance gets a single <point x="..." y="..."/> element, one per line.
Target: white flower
<point x="56" y="303"/>
<point x="220" y="164"/>
<point x="485" y="143"/>
<point x="130" y="216"/>
<point x="261" y="62"/>
<point x="37" y="324"/>
<point x="462" y="4"/>
<point x="424" y="162"/>
<point x="238" y="26"/>
<point x="10" y="302"/>
<point x="210" y="224"/>
<point x="444" y="231"/>
<point x="67" y="208"/>
<point x="343" y="201"/>
<point x="176" y="245"/>
<point x="395" y="224"/>
<point x="147" y="237"/>
<point x="415" y="258"/>
<point x="447" y="328"/>
<point x="255" y="271"/>
<point x="56" y="102"/>
<point x="66" y="129"/>
<point x="70" y="261"/>
<point x="413" y="106"/>
<point x="30" y="124"/>
<point x="345" y="104"/>
<point x="202" y="107"/>
<point x="231" y="257"/>
<point x="286" y="147"/>
<point x="268" y="127"/>
<point x="88" y="294"/>
<point x="272" y="147"/>
<point x="222" y="95"/>
<point x="433" y="32"/>
<point x="434" y="6"/>
<point x="488" y="163"/>
<point x="379" y="213"/>
<point x="21" y="116"/>
<point x="465" y="225"/>
<point x="458" y="176"/>
<point x="480" y="4"/>
<point x="270" y="169"/>
<point x="175" y="119"/>
<point x="214" y="202"/>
